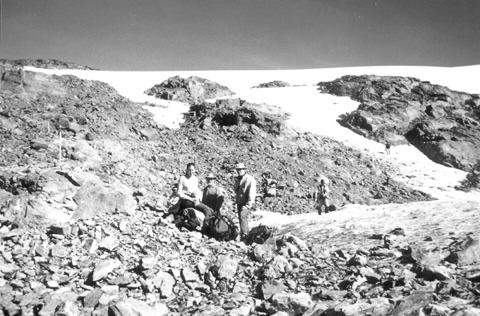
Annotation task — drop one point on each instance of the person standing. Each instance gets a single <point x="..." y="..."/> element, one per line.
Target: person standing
<point x="245" y="191"/>
<point x="320" y="196"/>
<point x="213" y="196"/>
<point x="387" y="148"/>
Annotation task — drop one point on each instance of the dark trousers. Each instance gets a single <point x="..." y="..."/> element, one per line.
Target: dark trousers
<point x="207" y="211"/>
<point x="243" y="213"/>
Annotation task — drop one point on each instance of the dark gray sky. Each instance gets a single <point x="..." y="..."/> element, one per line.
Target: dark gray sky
<point x="242" y="34"/>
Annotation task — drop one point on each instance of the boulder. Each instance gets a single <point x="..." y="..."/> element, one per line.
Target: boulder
<point x="277" y="267"/>
<point x="413" y="303"/>
<point x="84" y="153"/>
<point x="40" y="212"/>
<point x="109" y="243"/>
<point x="271" y="287"/>
<point x="264" y="252"/>
<point x="467" y="252"/>
<point x="294" y="304"/>
<point x="133" y="307"/>
<point x="227" y="267"/>
<point x="104" y="268"/>
<point x="165" y="283"/>
<point x="100" y="198"/>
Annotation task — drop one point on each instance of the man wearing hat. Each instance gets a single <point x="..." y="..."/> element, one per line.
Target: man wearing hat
<point x="213" y="196"/>
<point x="245" y="191"/>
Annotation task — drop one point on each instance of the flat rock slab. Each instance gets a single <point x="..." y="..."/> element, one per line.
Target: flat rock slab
<point x="103" y="268"/>
<point x="133" y="307"/>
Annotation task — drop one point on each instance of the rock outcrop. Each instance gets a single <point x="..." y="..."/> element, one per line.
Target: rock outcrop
<point x="237" y="112"/>
<point x="189" y="90"/>
<point x="273" y="84"/>
<point x="43" y="63"/>
<point x="443" y="124"/>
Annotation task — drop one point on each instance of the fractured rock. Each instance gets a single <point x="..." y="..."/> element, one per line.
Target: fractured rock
<point x="467" y="254"/>
<point x="109" y="243"/>
<point x="413" y="303"/>
<point x="277" y="267"/>
<point x="164" y="282"/>
<point x="188" y="275"/>
<point x="264" y="252"/>
<point x="103" y="268"/>
<point x="133" y="307"/>
<point x="227" y="267"/>
<point x="269" y="288"/>
<point x="92" y="298"/>
<point x="99" y="198"/>
<point x="59" y="251"/>
<point x="294" y="304"/>
<point x="148" y="263"/>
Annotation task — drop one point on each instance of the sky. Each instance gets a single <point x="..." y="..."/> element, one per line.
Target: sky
<point x="242" y="34"/>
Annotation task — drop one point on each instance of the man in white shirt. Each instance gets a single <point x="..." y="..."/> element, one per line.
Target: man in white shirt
<point x="190" y="194"/>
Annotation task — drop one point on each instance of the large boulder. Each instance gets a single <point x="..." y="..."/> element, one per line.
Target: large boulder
<point x="294" y="304"/>
<point x="18" y="81"/>
<point x="95" y="197"/>
<point x="466" y="252"/>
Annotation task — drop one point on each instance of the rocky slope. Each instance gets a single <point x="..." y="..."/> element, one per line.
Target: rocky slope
<point x="43" y="63"/>
<point x="82" y="232"/>
<point x="193" y="89"/>
<point x="443" y="124"/>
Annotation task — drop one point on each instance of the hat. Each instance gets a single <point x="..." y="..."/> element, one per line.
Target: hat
<point x="210" y="176"/>
<point x="240" y="166"/>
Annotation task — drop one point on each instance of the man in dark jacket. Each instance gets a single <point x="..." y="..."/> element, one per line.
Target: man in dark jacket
<point x="245" y="191"/>
<point x="213" y="196"/>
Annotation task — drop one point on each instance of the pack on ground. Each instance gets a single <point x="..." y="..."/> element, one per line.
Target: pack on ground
<point x="190" y="218"/>
<point x="222" y="228"/>
<point x="259" y="234"/>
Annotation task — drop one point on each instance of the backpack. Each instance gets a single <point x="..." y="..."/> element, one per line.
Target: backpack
<point x="222" y="228"/>
<point x="259" y="234"/>
<point x="191" y="219"/>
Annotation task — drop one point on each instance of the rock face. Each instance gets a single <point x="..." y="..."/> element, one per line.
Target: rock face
<point x="190" y="90"/>
<point x="273" y="84"/>
<point x="443" y="124"/>
<point x="237" y="112"/>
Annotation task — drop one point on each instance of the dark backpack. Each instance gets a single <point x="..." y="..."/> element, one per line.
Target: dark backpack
<point x="259" y="234"/>
<point x="188" y="219"/>
<point x="222" y="228"/>
<point x="332" y="208"/>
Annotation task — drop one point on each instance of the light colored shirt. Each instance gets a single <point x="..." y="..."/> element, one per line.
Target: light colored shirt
<point x="245" y="190"/>
<point x="187" y="187"/>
